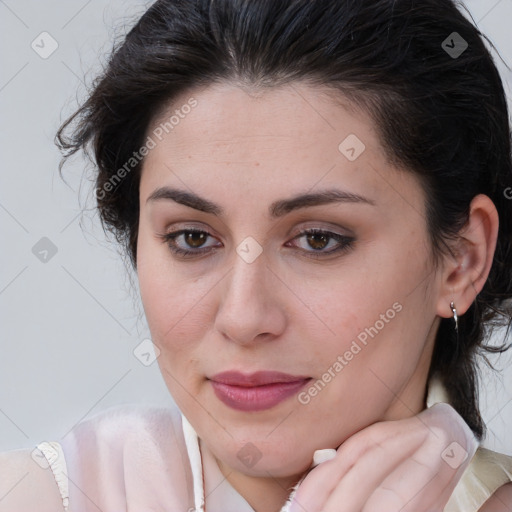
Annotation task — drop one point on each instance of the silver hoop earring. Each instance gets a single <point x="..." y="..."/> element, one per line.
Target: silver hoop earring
<point x="455" y="317"/>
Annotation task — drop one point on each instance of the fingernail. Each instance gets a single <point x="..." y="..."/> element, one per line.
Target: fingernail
<point x="323" y="455"/>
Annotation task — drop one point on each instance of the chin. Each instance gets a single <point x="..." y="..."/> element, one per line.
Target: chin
<point x="274" y="469"/>
<point x="276" y="460"/>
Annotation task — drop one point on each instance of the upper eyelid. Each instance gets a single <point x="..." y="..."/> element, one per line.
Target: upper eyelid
<point x="310" y="226"/>
<point x="344" y="244"/>
<point x="301" y="232"/>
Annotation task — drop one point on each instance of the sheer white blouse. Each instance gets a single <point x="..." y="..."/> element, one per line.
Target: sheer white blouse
<point x="137" y="458"/>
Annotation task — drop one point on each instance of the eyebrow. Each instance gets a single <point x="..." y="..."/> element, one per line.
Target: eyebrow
<point x="277" y="209"/>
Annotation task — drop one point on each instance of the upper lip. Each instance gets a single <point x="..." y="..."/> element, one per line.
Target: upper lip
<point x="260" y="378"/>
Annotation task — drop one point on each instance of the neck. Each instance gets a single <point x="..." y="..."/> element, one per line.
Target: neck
<point x="261" y="493"/>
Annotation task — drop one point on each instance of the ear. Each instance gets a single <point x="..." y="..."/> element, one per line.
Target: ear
<point x="465" y="272"/>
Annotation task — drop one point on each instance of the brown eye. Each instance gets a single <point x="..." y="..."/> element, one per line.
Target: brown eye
<point x="187" y="242"/>
<point x="195" y="238"/>
<point x="319" y="240"/>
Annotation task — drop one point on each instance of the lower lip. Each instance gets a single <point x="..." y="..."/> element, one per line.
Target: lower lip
<point x="256" y="398"/>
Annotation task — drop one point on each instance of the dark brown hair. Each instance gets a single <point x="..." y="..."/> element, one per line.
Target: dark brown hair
<point x="439" y="106"/>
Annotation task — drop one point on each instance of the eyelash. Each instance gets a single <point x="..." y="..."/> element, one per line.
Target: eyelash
<point x="346" y="243"/>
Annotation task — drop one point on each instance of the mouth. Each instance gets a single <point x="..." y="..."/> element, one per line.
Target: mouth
<point x="257" y="391"/>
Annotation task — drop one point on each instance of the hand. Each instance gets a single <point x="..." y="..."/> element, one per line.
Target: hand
<point x="406" y="465"/>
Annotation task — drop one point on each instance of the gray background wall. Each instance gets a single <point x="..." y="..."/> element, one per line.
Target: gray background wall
<point x="70" y="324"/>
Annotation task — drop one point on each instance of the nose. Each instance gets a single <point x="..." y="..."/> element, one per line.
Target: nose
<point x="250" y="306"/>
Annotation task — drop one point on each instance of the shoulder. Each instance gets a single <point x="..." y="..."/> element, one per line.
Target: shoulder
<point x="118" y="424"/>
<point x="114" y="431"/>
<point x="489" y="478"/>
<point x="124" y="457"/>
<point x="129" y="452"/>
<point x="121" y="430"/>
<point x="500" y="501"/>
<point x="26" y="484"/>
<point x="485" y="484"/>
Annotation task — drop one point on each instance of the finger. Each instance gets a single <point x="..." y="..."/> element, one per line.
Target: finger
<point x="419" y="480"/>
<point x="313" y="492"/>
<point x="426" y="481"/>
<point x="321" y="481"/>
<point x="367" y="474"/>
<point x="412" y="486"/>
<point x="418" y="489"/>
<point x="435" y="423"/>
<point x="445" y="419"/>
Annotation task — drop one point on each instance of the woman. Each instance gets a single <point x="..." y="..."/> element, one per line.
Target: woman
<point x="314" y="198"/>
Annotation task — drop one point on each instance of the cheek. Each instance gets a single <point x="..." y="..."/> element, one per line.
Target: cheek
<point x="177" y="320"/>
<point x="353" y="300"/>
<point x="379" y="315"/>
<point x="382" y="327"/>
<point x="177" y="315"/>
<point x="175" y="305"/>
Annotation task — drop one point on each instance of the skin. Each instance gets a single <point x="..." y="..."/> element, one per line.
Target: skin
<point x="391" y="466"/>
<point x="500" y="501"/>
<point x="244" y="149"/>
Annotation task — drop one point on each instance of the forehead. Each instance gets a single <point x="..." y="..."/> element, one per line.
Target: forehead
<point x="292" y="138"/>
<point x="290" y="116"/>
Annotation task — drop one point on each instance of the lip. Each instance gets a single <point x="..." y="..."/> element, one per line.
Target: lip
<point x="256" y="391"/>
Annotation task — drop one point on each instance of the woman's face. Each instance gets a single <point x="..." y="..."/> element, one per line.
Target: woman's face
<point x="349" y="314"/>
